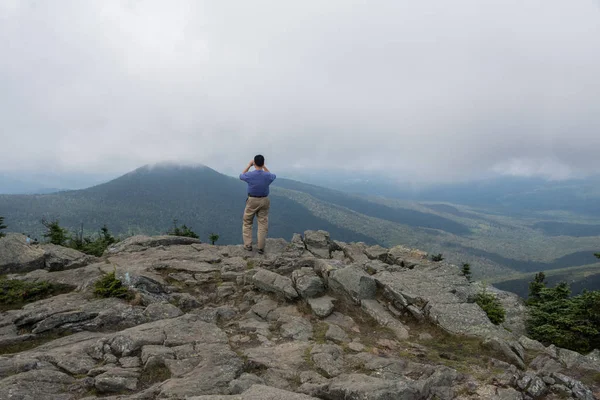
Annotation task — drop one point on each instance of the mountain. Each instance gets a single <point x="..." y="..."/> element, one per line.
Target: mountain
<point x="504" y="194"/>
<point x="147" y="200"/>
<point x="25" y="182"/>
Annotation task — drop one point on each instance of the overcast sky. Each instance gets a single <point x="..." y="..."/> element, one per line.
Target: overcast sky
<point x="425" y="90"/>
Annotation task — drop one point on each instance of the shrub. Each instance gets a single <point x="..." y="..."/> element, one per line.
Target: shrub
<point x="492" y="307"/>
<point x="213" y="238"/>
<point x="110" y="286"/>
<point x="437" y="257"/>
<point x="2" y="226"/>
<point x="595" y="254"/>
<point x="95" y="247"/>
<point x="557" y="318"/>
<point x="15" y="293"/>
<point x="55" y="233"/>
<point x="466" y="271"/>
<point x="182" y="231"/>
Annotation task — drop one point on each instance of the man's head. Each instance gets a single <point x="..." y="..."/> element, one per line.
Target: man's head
<point x="259" y="160"/>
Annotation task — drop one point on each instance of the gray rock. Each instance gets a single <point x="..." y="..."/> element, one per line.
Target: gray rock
<point x="354" y="282"/>
<point x="17" y="256"/>
<point x="59" y="258"/>
<point x="307" y="283"/>
<point x="158" y="311"/>
<point x="130" y="362"/>
<point x="259" y="392"/>
<point x="336" y="334"/>
<point x="384" y="318"/>
<point x="156" y="355"/>
<point x="376" y="252"/>
<point x="354" y="252"/>
<point x="318" y="243"/>
<point x="244" y="382"/>
<point x="581" y="392"/>
<point x="321" y="306"/>
<point x="356" y="346"/>
<point x="296" y="328"/>
<point x="36" y="384"/>
<point x="116" y="380"/>
<point x="504" y="347"/>
<point x="141" y="243"/>
<point x="264" y="307"/>
<point x="274" y="283"/>
<point x="545" y="364"/>
<point x="328" y="359"/>
<point x="532" y="345"/>
<point x="359" y="386"/>
<point x="537" y="387"/>
<point x="286" y="356"/>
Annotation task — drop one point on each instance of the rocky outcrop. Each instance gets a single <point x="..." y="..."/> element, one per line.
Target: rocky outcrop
<point x="17" y="256"/>
<point x="141" y="243"/>
<point x="310" y="319"/>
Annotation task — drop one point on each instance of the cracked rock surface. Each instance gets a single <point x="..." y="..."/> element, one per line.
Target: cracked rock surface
<point x="312" y="318"/>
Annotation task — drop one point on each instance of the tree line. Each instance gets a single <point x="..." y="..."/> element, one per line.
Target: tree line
<point x="97" y="244"/>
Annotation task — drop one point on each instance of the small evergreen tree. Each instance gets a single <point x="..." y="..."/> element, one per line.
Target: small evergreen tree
<point x="106" y="236"/>
<point x="535" y="288"/>
<point x="55" y="233"/>
<point x="2" y="226"/>
<point x="466" y="271"/>
<point x="597" y="255"/>
<point x="213" y="238"/>
<point x="182" y="231"/>
<point x="492" y="307"/>
<point x="437" y="257"/>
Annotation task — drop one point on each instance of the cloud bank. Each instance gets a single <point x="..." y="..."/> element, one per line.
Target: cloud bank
<point x="430" y="91"/>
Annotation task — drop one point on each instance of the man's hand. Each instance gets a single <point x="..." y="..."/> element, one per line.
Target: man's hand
<point x="250" y="164"/>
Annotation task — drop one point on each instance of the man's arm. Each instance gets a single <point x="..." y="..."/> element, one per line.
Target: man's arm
<point x="272" y="174"/>
<point x="250" y="164"/>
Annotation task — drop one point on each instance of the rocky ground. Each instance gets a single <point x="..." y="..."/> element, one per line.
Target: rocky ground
<point x="311" y="319"/>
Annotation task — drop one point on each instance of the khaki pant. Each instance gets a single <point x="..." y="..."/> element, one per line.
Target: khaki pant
<point x="258" y="206"/>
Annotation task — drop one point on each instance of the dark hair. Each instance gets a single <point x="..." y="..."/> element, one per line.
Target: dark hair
<point x="259" y="160"/>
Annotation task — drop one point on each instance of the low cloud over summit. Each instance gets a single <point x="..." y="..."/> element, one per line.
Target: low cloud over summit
<point x="423" y="90"/>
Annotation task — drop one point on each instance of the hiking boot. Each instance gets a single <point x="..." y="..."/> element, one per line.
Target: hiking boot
<point x="261" y="251"/>
<point x="249" y="248"/>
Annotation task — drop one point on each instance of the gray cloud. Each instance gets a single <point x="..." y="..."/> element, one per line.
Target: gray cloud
<point x="426" y="90"/>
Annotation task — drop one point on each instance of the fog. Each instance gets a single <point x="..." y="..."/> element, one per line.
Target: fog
<point x="420" y="91"/>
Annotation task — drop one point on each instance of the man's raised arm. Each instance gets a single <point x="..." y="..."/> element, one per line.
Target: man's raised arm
<point x="250" y="164"/>
<point x="272" y="174"/>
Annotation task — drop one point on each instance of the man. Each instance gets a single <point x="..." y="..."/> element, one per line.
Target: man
<point x="258" y="202"/>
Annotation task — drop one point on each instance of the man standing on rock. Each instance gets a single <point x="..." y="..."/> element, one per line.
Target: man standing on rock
<point x="258" y="202"/>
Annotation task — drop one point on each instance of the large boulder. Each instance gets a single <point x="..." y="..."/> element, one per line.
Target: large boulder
<point x="17" y="256"/>
<point x="354" y="282"/>
<point x="59" y="258"/>
<point x="307" y="283"/>
<point x="275" y="283"/>
<point x="318" y="243"/>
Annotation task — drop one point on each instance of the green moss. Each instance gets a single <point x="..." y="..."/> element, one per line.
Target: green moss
<point x="31" y="343"/>
<point x="250" y="264"/>
<point x="16" y="293"/>
<point x="308" y="358"/>
<point x="319" y="331"/>
<point x="155" y="374"/>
